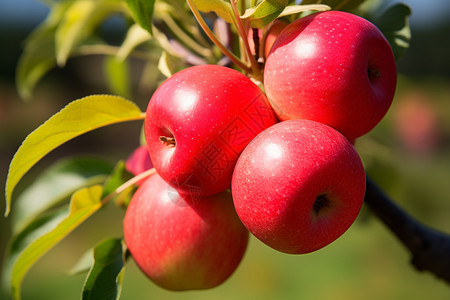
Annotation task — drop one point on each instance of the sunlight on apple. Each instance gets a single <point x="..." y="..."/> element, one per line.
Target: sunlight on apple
<point x="306" y="49"/>
<point x="274" y="151"/>
<point x="187" y="100"/>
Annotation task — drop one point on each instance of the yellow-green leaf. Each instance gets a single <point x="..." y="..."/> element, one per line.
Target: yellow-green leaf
<point x="78" y="117"/>
<point x="265" y="8"/>
<point x="295" y="9"/>
<point x="267" y="11"/>
<point x="166" y="64"/>
<point x="55" y="185"/>
<point x="38" y="56"/>
<point x="220" y="7"/>
<point x="79" y="22"/>
<point x="136" y="35"/>
<point x="83" y="204"/>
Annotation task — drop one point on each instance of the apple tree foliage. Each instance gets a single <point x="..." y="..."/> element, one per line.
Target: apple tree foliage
<point x="183" y="33"/>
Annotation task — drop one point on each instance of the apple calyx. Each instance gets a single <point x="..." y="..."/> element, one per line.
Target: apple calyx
<point x="168" y="141"/>
<point x="373" y="73"/>
<point x="321" y="203"/>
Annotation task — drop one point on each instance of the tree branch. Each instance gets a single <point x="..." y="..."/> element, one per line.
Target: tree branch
<point x="430" y="249"/>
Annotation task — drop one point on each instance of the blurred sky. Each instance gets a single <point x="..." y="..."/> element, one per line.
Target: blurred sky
<point x="30" y="12"/>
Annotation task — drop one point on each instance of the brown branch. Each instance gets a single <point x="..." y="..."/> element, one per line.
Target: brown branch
<point x="430" y="249"/>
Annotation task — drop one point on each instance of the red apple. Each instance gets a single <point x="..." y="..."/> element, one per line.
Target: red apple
<point x="138" y="162"/>
<point x="333" y="67"/>
<point x="298" y="186"/>
<point x="180" y="244"/>
<point x="199" y="121"/>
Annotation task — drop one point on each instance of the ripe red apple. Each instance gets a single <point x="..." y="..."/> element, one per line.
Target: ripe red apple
<point x="138" y="162"/>
<point x="181" y="244"/>
<point x="298" y="186"/>
<point x="199" y="121"/>
<point x="333" y="67"/>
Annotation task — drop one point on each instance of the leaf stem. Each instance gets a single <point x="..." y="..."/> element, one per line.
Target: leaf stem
<point x="128" y="184"/>
<point x="185" y="38"/>
<point x="108" y="50"/>
<point x="185" y="17"/>
<point x="213" y="38"/>
<point x="243" y="34"/>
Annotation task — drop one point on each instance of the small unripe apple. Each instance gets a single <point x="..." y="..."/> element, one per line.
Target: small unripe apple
<point x="332" y="67"/>
<point x="138" y="162"/>
<point x="182" y="243"/>
<point x="298" y="186"/>
<point x="198" y="122"/>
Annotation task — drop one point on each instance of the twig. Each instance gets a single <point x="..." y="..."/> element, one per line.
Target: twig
<point x="430" y="249"/>
<point x="243" y="33"/>
<point x="213" y="38"/>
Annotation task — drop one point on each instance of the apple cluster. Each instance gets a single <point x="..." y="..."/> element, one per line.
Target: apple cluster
<point x="280" y="164"/>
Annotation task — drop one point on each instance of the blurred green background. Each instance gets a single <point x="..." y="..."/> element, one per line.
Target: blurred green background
<point x="408" y="155"/>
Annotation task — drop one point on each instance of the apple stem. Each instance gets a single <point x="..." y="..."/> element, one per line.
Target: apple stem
<point x="168" y="141"/>
<point x="321" y="202"/>
<point x="256" y="72"/>
<point x="257" y="42"/>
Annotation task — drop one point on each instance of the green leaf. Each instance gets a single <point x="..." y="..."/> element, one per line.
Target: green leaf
<point x="142" y="12"/>
<point x="265" y="12"/>
<point x="78" y="117"/>
<point x="21" y="239"/>
<point x="394" y="24"/>
<point x="119" y="176"/>
<point x="56" y="184"/>
<point x="34" y="63"/>
<point x="39" y="55"/>
<point x="83" y="204"/>
<point x="79" y="22"/>
<point x="104" y="280"/>
<point x="117" y="74"/>
<point x="220" y="7"/>
<point x="136" y="35"/>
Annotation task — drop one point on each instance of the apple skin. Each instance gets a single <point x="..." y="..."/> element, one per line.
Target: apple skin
<point x="138" y="162"/>
<point x="298" y="186"/>
<point x="182" y="244"/>
<point x="332" y="67"/>
<point x="212" y="112"/>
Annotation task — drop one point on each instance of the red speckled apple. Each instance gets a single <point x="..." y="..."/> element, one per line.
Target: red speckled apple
<point x="180" y="244"/>
<point x="199" y="121"/>
<point x="333" y="67"/>
<point x="298" y="186"/>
